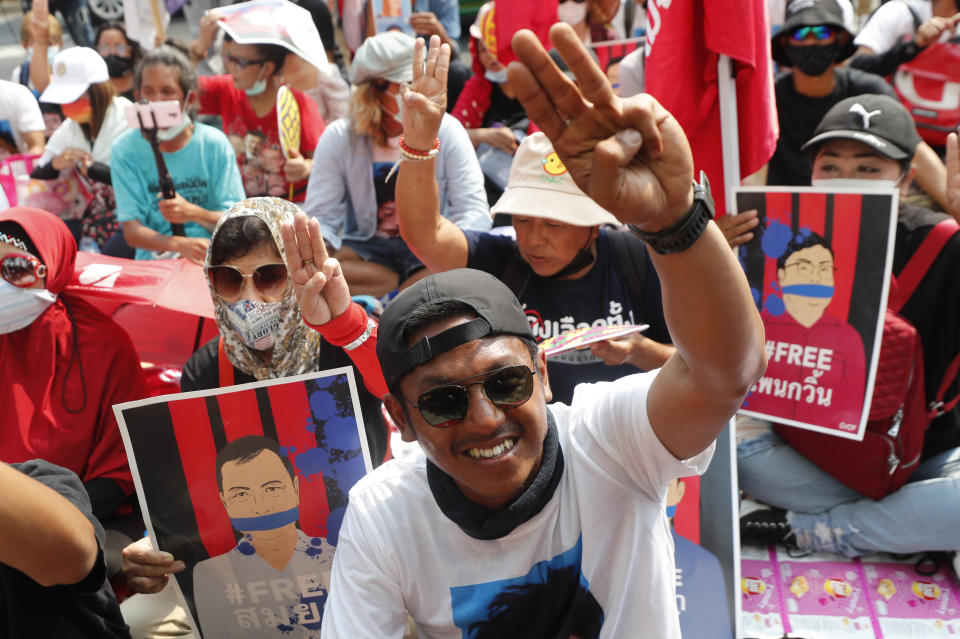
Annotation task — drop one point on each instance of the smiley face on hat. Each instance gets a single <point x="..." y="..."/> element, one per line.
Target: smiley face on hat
<point x="553" y="165"/>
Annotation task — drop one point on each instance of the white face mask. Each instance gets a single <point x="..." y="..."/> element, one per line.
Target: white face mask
<point x="854" y="183"/>
<point x="255" y="322"/>
<point x="258" y="87"/>
<point x="165" y="135"/>
<point x="19" y="307"/>
<point x="572" y="12"/>
<point x="498" y="77"/>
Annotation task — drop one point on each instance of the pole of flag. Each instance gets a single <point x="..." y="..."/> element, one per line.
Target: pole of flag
<point x="729" y="133"/>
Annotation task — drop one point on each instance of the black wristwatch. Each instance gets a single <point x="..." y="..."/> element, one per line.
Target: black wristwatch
<point x="688" y="230"/>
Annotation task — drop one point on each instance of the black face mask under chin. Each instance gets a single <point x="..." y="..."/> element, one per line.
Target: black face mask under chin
<point x="812" y="59"/>
<point x="582" y="259"/>
<point x="118" y="67"/>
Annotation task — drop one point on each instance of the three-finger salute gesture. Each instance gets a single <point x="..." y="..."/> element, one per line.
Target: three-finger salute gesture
<point x="318" y="281"/>
<point x="425" y="99"/>
<point x="630" y="155"/>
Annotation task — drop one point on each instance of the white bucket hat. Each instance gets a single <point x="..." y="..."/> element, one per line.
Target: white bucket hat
<point x="541" y="186"/>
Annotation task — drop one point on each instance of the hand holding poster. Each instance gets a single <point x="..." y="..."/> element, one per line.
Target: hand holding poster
<point x="288" y="123"/>
<point x="248" y="485"/>
<point x="819" y="267"/>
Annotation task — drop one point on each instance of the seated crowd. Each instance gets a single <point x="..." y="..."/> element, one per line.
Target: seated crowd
<point x="429" y="230"/>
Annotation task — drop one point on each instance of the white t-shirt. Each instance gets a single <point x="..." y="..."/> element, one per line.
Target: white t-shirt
<point x="239" y="595"/>
<point x="20" y="109"/>
<point x="891" y="23"/>
<point x="70" y="135"/>
<point x="399" y="552"/>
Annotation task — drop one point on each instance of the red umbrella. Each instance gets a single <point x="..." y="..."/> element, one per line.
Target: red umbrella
<point x="164" y="305"/>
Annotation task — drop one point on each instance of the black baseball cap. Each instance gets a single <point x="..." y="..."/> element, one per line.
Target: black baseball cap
<point x="810" y="13"/>
<point x="878" y="121"/>
<point x="498" y="313"/>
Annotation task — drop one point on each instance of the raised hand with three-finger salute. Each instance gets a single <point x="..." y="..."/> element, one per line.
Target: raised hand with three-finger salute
<point x="318" y="281"/>
<point x="629" y="154"/>
<point x="425" y="99"/>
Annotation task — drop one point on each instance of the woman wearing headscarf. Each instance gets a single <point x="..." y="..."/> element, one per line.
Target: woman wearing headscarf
<point x="264" y="334"/>
<point x="63" y="363"/>
<point x="283" y="308"/>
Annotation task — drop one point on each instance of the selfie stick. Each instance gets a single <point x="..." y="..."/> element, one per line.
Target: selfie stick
<point x="166" y="182"/>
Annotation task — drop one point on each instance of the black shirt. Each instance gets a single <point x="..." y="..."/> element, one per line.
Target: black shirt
<point x="85" y="609"/>
<point x="502" y="110"/>
<point x="202" y="372"/>
<point x="799" y="116"/>
<point x="934" y="309"/>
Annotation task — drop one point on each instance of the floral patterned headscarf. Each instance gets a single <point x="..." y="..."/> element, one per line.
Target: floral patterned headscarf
<point x="296" y="346"/>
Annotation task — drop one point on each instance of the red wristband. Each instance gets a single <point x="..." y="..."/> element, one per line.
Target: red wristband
<point x="418" y="152"/>
<point x="344" y="328"/>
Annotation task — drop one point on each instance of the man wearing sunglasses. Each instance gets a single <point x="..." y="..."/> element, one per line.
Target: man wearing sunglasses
<point x="813" y="42"/>
<point x="509" y="492"/>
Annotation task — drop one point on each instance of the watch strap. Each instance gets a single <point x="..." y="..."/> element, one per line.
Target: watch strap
<point x="688" y="229"/>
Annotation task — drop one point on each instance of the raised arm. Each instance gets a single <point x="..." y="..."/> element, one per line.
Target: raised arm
<point x="435" y="240"/>
<point x="632" y="157"/>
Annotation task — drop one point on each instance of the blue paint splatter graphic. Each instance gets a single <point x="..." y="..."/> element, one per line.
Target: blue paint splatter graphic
<point x="774" y="305"/>
<point x="775" y="239"/>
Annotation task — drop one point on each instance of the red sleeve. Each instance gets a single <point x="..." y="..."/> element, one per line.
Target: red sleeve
<point x="123" y="383"/>
<point x="346" y="328"/>
<point x="311" y="123"/>
<point x="213" y="90"/>
<point x="473" y="102"/>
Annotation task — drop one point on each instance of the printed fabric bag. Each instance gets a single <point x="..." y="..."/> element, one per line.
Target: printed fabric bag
<point x="65" y="197"/>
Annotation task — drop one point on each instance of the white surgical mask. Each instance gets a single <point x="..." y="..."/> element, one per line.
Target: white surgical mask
<point x="572" y="12"/>
<point x="258" y="87"/>
<point x="255" y="322"/>
<point x="399" y="99"/>
<point x="498" y="77"/>
<point x="854" y="183"/>
<point x="19" y="307"/>
<point x="165" y="135"/>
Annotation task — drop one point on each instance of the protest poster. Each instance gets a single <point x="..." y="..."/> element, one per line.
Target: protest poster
<point x="392" y="15"/>
<point x="819" y="268"/>
<point x="703" y="512"/>
<point x="248" y="486"/>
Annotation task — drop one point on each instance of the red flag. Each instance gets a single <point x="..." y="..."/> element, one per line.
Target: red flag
<point x="684" y="41"/>
<point x="510" y="17"/>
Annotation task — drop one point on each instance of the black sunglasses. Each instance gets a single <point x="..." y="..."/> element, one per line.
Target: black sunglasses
<point x="270" y="279"/>
<point x="444" y="406"/>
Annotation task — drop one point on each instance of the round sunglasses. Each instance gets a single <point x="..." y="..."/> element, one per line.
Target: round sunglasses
<point x="269" y="279"/>
<point x="22" y="270"/>
<point x="820" y="32"/>
<point x="444" y="406"/>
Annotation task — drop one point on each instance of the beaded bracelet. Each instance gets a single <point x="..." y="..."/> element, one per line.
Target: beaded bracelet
<point x="409" y="153"/>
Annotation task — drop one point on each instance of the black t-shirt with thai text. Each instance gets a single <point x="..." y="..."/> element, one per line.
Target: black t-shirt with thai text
<point x="599" y="298"/>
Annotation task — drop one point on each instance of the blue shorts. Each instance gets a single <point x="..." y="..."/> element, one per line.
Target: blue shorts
<point x="391" y="252"/>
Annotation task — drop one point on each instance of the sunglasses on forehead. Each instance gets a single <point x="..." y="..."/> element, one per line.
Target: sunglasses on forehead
<point x="21" y="270"/>
<point x="444" y="406"/>
<point x="269" y="279"/>
<point x="820" y="32"/>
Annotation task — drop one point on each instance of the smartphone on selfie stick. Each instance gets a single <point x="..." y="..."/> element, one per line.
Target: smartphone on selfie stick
<point x="149" y="117"/>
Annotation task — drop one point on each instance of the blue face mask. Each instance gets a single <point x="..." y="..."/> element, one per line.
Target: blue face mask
<point x="671" y="511"/>
<point x="498" y="77"/>
<point x="266" y="522"/>
<point x="809" y="290"/>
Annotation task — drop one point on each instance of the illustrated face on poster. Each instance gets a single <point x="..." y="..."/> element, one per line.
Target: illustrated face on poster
<point x="248" y="486"/>
<point x="819" y="266"/>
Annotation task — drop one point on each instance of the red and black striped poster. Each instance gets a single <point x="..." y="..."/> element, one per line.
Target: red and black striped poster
<point x="819" y="268"/>
<point x="248" y="486"/>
